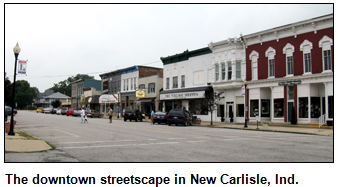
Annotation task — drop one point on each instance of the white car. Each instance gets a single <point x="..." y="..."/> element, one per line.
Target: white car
<point x="58" y="112"/>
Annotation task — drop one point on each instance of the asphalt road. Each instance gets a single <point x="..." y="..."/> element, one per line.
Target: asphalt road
<point x="100" y="141"/>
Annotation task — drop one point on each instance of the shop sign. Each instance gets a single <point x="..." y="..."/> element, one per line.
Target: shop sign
<point x="183" y="95"/>
<point x="140" y="92"/>
<point x="287" y="83"/>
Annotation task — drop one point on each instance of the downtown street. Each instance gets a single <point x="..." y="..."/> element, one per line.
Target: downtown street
<point x="101" y="141"/>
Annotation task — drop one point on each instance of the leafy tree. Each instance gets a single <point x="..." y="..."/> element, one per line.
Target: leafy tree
<point x="24" y="94"/>
<point x="56" y="103"/>
<point x="212" y="101"/>
<point x="65" y="86"/>
<point x="8" y="90"/>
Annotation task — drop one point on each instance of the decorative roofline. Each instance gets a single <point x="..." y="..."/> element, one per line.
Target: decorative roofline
<point x="185" y="55"/>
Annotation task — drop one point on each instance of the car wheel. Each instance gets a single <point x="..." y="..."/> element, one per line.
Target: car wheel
<point x="130" y="119"/>
<point x="169" y="124"/>
<point x="125" y="119"/>
<point x="141" y="119"/>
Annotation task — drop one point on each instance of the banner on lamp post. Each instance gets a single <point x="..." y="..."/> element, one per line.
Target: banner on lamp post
<point x="22" y="66"/>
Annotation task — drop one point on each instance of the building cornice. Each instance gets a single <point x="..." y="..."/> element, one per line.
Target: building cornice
<point x="185" y="55"/>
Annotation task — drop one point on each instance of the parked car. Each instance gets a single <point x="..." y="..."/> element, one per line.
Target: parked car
<point x="58" y="112"/>
<point x="70" y="111"/>
<point x="77" y="112"/>
<point x="39" y="109"/>
<point x="133" y="114"/>
<point x="160" y="117"/>
<point x="179" y="116"/>
<point x="64" y="110"/>
<point x="47" y="110"/>
<point x="54" y="110"/>
<point x="93" y="113"/>
<point x="8" y="111"/>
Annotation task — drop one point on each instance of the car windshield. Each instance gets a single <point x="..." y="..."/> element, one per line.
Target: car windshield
<point x="130" y="110"/>
<point x="160" y="113"/>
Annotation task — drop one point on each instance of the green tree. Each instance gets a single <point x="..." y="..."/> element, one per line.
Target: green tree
<point x="56" y="103"/>
<point x="212" y="101"/>
<point x="24" y="94"/>
<point x="8" y="91"/>
<point x="64" y="86"/>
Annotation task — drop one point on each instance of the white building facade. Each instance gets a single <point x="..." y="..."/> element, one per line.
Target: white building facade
<point x="229" y="73"/>
<point x="186" y="81"/>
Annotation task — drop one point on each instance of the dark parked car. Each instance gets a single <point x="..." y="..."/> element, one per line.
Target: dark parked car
<point x="93" y="113"/>
<point x="54" y="110"/>
<point x="70" y="111"/>
<point x="8" y="111"/>
<point x="133" y="114"/>
<point x="64" y="110"/>
<point x="179" y="116"/>
<point x="160" y="117"/>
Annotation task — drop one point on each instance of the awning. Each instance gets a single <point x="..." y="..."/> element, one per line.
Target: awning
<point x="111" y="98"/>
<point x="187" y="93"/>
<point x="146" y="100"/>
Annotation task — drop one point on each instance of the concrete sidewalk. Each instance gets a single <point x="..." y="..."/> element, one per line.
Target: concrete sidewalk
<point x="27" y="143"/>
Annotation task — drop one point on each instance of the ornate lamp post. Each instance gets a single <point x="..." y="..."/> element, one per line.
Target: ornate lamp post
<point x="16" y="51"/>
<point x="245" y="107"/>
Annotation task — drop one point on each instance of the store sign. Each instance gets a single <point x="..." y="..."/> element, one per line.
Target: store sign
<point x="183" y="95"/>
<point x="140" y="92"/>
<point x="287" y="83"/>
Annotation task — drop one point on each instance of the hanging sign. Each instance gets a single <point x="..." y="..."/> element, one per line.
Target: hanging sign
<point x="22" y="67"/>
<point x="287" y="83"/>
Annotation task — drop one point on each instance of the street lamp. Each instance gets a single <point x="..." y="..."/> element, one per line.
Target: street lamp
<point x="118" y="104"/>
<point x="245" y="107"/>
<point x="16" y="51"/>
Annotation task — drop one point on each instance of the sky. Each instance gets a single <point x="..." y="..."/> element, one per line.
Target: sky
<point x="62" y="40"/>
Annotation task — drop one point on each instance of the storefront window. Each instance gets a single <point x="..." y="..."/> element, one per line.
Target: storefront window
<point x="315" y="107"/>
<point x="265" y="108"/>
<point x="330" y="105"/>
<point x="240" y="110"/>
<point x="278" y="108"/>
<point x="253" y="108"/>
<point x="198" y="107"/>
<point x="303" y="107"/>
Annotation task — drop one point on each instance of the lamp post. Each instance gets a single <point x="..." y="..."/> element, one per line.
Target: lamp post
<point x="16" y="51"/>
<point x="245" y="107"/>
<point x="118" y="104"/>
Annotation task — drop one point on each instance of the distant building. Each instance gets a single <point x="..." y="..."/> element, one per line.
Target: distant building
<point x="41" y="101"/>
<point x="77" y="97"/>
<point x="55" y="96"/>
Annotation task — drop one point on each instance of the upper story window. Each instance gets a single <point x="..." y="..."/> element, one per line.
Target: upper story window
<point x="183" y="81"/>
<point x="151" y="88"/>
<point x="254" y="60"/>
<point x="167" y="83"/>
<point x="288" y="51"/>
<point x="238" y="70"/>
<point x="131" y="84"/>
<point x="223" y="71"/>
<point x="217" y="72"/>
<point x="325" y="43"/>
<point x="175" y="82"/>
<point x="142" y="86"/>
<point x="270" y="54"/>
<point x="135" y="83"/>
<point x="306" y="47"/>
<point x="127" y="81"/>
<point x="229" y="70"/>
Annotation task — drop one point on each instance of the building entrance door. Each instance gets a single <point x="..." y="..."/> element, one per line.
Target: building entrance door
<point x="229" y="112"/>
<point x="290" y="106"/>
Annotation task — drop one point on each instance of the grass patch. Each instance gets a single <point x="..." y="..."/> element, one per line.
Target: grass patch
<point x="51" y="145"/>
<point x="27" y="136"/>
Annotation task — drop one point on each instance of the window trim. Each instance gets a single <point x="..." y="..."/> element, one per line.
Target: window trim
<point x="323" y="44"/>
<point x="254" y="55"/>
<point x="306" y="47"/>
<point x="270" y="54"/>
<point x="288" y="50"/>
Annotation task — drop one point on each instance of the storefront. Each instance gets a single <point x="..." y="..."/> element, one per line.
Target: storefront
<point x="128" y="101"/>
<point x="92" y="102"/>
<point x="192" y="99"/>
<point x="106" y="101"/>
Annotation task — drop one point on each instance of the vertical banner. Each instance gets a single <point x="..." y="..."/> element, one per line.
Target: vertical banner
<point x="22" y="67"/>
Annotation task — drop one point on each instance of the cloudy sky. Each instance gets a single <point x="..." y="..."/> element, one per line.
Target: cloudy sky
<point x="62" y="40"/>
